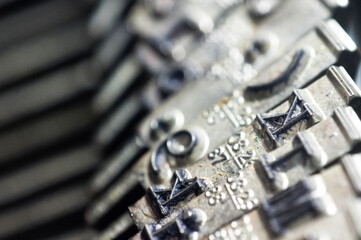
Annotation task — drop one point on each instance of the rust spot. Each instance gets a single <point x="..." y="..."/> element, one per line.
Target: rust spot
<point x="224" y="101"/>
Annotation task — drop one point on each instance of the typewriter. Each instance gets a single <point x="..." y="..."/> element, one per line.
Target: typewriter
<point x="180" y="119"/>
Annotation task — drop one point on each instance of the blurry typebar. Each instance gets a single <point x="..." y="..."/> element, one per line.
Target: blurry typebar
<point x="107" y="134"/>
<point x="30" y="21"/>
<point x="39" y="53"/>
<point x="64" y="84"/>
<point x="47" y="172"/>
<point x="54" y="55"/>
<point x="77" y="77"/>
<point x="46" y="209"/>
<point x="40" y="133"/>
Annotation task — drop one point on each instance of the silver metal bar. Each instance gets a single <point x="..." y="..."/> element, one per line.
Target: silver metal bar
<point x="120" y="80"/>
<point x="118" y="120"/>
<point x="103" y="204"/>
<point x="115" y="165"/>
<point x="106" y="16"/>
<point x="117" y="228"/>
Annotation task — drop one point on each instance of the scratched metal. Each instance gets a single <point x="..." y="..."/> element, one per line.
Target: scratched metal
<point x="231" y="69"/>
<point x="318" y="54"/>
<point x="260" y="137"/>
<point x="237" y="110"/>
<point x="346" y="212"/>
<point x="244" y="190"/>
<point x="233" y="164"/>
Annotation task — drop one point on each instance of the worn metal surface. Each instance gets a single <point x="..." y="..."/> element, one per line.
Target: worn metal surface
<point x="238" y="110"/>
<point x="252" y="132"/>
<point x="252" y="145"/>
<point x="225" y="75"/>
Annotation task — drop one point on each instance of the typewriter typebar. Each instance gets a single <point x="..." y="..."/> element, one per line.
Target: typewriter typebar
<point x="211" y="126"/>
<point x="180" y="119"/>
<point x="249" y="49"/>
<point x="304" y="109"/>
<point x="250" y="39"/>
<point x="298" y="152"/>
<point x="237" y="191"/>
<point x="307" y="208"/>
<point x="180" y="109"/>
